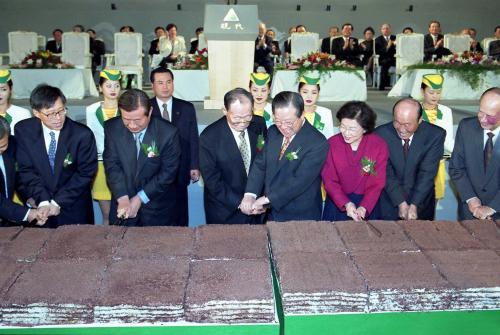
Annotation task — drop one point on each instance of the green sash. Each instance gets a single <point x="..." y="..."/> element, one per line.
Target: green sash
<point x="317" y="122"/>
<point x="99" y="113"/>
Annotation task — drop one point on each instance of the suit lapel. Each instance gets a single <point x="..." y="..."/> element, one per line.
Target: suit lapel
<point x="41" y="150"/>
<point x="252" y="137"/>
<point x="494" y="161"/>
<point x="176" y="113"/>
<point x="477" y="142"/>
<point x="62" y="149"/>
<point x="232" y="147"/>
<point x="296" y="145"/>
<point x="148" y="139"/>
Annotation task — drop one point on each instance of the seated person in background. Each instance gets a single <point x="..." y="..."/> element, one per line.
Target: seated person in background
<point x="434" y="43"/>
<point x="194" y="41"/>
<point x="260" y="87"/>
<point x="97" y="49"/>
<point x="288" y="43"/>
<point x="475" y="161"/>
<point x="78" y="28"/>
<point x="415" y="149"/>
<point x="438" y="115"/>
<point x="347" y="47"/>
<point x="326" y="43"/>
<point x="494" y="47"/>
<point x="127" y="29"/>
<point x="12" y="113"/>
<point x="154" y="48"/>
<point x="300" y="29"/>
<point x="385" y="48"/>
<point x="55" y="45"/>
<point x="408" y="30"/>
<point x="367" y="50"/>
<point x="475" y="46"/>
<point x="11" y="212"/>
<point x="174" y="46"/>
<point x="355" y="169"/>
<point x="275" y="47"/>
<point x="319" y="117"/>
<point x="262" y="51"/>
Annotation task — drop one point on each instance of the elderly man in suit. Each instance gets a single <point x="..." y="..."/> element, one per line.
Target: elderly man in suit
<point x="141" y="159"/>
<point x="415" y="149"/>
<point x="285" y="176"/>
<point x="326" y="43"/>
<point x="263" y="49"/>
<point x="475" y="162"/>
<point x="385" y="48"/>
<point x="346" y="47"/>
<point x="227" y="149"/>
<point x="434" y="42"/>
<point x="57" y="160"/>
<point x="182" y="115"/>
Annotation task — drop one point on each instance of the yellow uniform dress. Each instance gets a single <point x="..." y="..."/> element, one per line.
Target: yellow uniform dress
<point x="431" y="116"/>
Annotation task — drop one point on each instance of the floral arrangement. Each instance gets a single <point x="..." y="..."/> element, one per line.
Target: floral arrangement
<point x="322" y="62"/>
<point x="68" y="160"/>
<point x="151" y="150"/>
<point x="41" y="60"/>
<point x="291" y="156"/>
<point x="467" y="66"/>
<point x="260" y="142"/>
<point x="197" y="61"/>
<point x="368" y="167"/>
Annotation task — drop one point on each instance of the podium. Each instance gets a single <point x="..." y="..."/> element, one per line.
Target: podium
<point x="230" y="32"/>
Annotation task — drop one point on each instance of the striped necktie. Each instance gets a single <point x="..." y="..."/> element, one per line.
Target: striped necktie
<point x="52" y="150"/>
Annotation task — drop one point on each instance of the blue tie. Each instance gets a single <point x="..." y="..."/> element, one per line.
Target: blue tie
<point x="52" y="150"/>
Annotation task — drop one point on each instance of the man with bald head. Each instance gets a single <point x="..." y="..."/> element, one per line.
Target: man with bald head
<point x="475" y="162"/>
<point x="415" y="149"/>
<point x="263" y="49"/>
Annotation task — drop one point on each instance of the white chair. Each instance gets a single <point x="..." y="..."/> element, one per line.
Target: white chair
<point x="128" y="55"/>
<point x="304" y="43"/>
<point x="409" y="51"/>
<point x="42" y="40"/>
<point x="21" y="44"/>
<point x="76" y="49"/>
<point x="457" y="43"/>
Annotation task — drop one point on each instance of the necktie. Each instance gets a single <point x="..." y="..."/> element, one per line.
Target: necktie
<point x="52" y="150"/>
<point x="245" y="156"/>
<point x="137" y="138"/>
<point x="406" y="147"/>
<point x="165" y="112"/>
<point x="488" y="150"/>
<point x="284" y="147"/>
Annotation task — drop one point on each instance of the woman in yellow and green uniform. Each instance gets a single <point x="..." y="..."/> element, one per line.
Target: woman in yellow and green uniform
<point x="438" y="115"/>
<point x="97" y="114"/>
<point x="260" y="87"/>
<point x="12" y="113"/>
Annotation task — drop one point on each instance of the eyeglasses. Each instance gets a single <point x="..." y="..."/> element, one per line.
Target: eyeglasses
<point x="286" y="124"/>
<point x="56" y="114"/>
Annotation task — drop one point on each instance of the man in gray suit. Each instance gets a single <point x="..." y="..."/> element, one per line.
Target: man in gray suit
<point x="475" y="162"/>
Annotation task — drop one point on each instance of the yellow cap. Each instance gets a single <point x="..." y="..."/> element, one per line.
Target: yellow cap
<point x="114" y="75"/>
<point x="433" y="80"/>
<point x="260" y="78"/>
<point x="4" y="76"/>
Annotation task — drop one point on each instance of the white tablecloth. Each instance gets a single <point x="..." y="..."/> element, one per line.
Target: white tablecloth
<point x="454" y="88"/>
<point x="341" y="86"/>
<point x="191" y="85"/>
<point x="74" y="83"/>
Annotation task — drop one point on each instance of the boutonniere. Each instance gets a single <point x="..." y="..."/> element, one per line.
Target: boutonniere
<point x="291" y="156"/>
<point x="150" y="150"/>
<point x="260" y="142"/>
<point x="368" y="167"/>
<point x="68" y="160"/>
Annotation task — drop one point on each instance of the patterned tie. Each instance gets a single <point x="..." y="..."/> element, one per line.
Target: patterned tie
<point x="284" y="147"/>
<point x="165" y="112"/>
<point x="488" y="150"/>
<point x="245" y="156"/>
<point x="406" y="147"/>
<point x="52" y="150"/>
<point x="137" y="138"/>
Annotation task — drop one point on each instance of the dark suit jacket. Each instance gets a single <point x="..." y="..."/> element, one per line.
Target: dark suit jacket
<point x="153" y="46"/>
<point x="194" y="46"/>
<point x="184" y="119"/>
<point x="467" y="168"/>
<point x="349" y="55"/>
<point x="9" y="210"/>
<point x="97" y="49"/>
<point x="52" y="47"/>
<point x="224" y="174"/>
<point x="70" y="185"/>
<point x="288" y="46"/>
<point x="429" y="49"/>
<point x="411" y="180"/>
<point x="263" y="55"/>
<point x="387" y="57"/>
<point x="326" y="46"/>
<point x="292" y="186"/>
<point x="127" y="175"/>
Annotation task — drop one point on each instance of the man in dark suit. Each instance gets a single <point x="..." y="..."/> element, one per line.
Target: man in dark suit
<point x="385" y="48"/>
<point x="475" y="162"/>
<point x="415" y="149"/>
<point x="141" y="159"/>
<point x="286" y="174"/>
<point x="194" y="42"/>
<point x="326" y="43"/>
<point x="182" y="115"/>
<point x="55" y="45"/>
<point x="263" y="49"/>
<point x="227" y="149"/>
<point x="10" y="212"/>
<point x="347" y="47"/>
<point x="57" y="160"/>
<point x="97" y="49"/>
<point x="153" y="47"/>
<point x="434" y="42"/>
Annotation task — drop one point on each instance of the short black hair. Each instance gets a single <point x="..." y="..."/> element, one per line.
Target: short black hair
<point x="300" y="25"/>
<point x="158" y="28"/>
<point x="420" y="109"/>
<point x="4" y="127"/>
<point x="359" y="111"/>
<point x="496" y="28"/>
<point x="171" y="25"/>
<point x="348" y="24"/>
<point x="368" y="29"/>
<point x="286" y="99"/>
<point x="199" y="30"/>
<point x="236" y="95"/>
<point x="408" y="28"/>
<point x="132" y="99"/>
<point x="45" y="96"/>
<point x="129" y="28"/>
<point x="435" y="21"/>
<point x="302" y="84"/>
<point x="160" y="69"/>
<point x="79" y="26"/>
<point x="92" y="30"/>
<point x="56" y="30"/>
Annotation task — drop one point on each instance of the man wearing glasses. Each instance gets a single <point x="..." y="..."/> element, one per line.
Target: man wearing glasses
<point x="57" y="160"/>
<point x="285" y="177"/>
<point x="227" y="149"/>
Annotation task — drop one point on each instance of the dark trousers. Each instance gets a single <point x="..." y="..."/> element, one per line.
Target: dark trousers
<point x="181" y="206"/>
